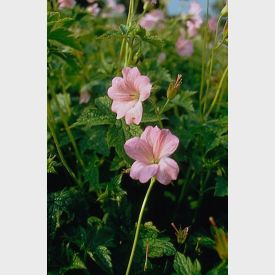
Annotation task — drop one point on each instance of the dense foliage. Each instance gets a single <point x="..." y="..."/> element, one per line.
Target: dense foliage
<point x="93" y="204"/>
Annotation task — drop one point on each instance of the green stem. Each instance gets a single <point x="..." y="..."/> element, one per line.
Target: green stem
<point x="67" y="129"/>
<point x="60" y="154"/>
<point x="203" y="61"/>
<point x="163" y="108"/>
<point x="153" y="180"/>
<point x="211" y="63"/>
<point x="218" y="91"/>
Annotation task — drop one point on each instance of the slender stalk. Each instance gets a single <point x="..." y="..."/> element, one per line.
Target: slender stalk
<point x="67" y="129"/>
<point x="60" y="154"/>
<point x="153" y="180"/>
<point x="163" y="108"/>
<point x="203" y="58"/>
<point x="218" y="91"/>
<point x="211" y="63"/>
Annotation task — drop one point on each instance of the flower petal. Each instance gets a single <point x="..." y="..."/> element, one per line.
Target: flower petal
<point x="143" y="172"/>
<point x="168" y="171"/>
<point x="166" y="144"/>
<point x="139" y="149"/>
<point x="122" y="107"/>
<point x="134" y="115"/>
<point x="143" y="85"/>
<point x="119" y="90"/>
<point x="130" y="74"/>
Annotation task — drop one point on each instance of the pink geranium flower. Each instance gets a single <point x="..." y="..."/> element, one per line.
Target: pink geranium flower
<point x="194" y="22"/>
<point x="128" y="93"/>
<point x="151" y="154"/>
<point x="184" y="47"/>
<point x="66" y="3"/>
<point x="151" y="19"/>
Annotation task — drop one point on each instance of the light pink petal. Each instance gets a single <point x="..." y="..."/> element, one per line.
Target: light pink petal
<point x="168" y="171"/>
<point x="143" y="85"/>
<point x="164" y="142"/>
<point x="151" y="135"/>
<point x="134" y="115"/>
<point x="120" y="91"/>
<point x="130" y="74"/>
<point x="122" y="107"/>
<point x="143" y="172"/>
<point x="138" y="149"/>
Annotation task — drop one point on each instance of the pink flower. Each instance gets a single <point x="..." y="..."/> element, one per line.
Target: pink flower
<point x="66" y="3"/>
<point x="94" y="9"/>
<point x="184" y="47"/>
<point x="151" y="19"/>
<point x="128" y="93"/>
<point x="194" y="22"/>
<point x="114" y="9"/>
<point x="212" y="23"/>
<point x="151" y="154"/>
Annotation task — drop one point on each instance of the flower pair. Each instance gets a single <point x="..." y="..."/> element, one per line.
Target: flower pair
<point x="152" y="150"/>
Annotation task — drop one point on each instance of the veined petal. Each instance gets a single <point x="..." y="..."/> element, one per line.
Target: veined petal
<point x="143" y="172"/>
<point x="122" y="107"/>
<point x="166" y="144"/>
<point x="143" y="85"/>
<point x="168" y="170"/>
<point x="139" y="149"/>
<point x="134" y="115"/>
<point x="130" y="74"/>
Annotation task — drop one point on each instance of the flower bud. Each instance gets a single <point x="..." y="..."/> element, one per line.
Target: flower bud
<point x="181" y="233"/>
<point x="224" y="11"/>
<point x="174" y="87"/>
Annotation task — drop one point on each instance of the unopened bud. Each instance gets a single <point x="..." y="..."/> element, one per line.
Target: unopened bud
<point x="224" y="11"/>
<point x="174" y="87"/>
<point x="84" y="95"/>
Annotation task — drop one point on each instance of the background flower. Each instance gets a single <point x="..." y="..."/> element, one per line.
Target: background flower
<point x="212" y="23"/>
<point x="151" y="154"/>
<point x="184" y="47"/>
<point x="151" y="19"/>
<point x="194" y="22"/>
<point x="66" y="3"/>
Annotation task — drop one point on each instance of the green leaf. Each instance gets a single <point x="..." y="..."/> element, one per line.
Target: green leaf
<point x="184" y="100"/>
<point x="115" y="138"/>
<point x="77" y="263"/>
<point x="221" y="188"/>
<point x="101" y="114"/>
<point x="64" y="37"/>
<point x="91" y="173"/>
<point x="184" y="266"/>
<point x="149" y="117"/>
<point x="51" y="164"/>
<point x="160" y="247"/>
<point x="102" y="256"/>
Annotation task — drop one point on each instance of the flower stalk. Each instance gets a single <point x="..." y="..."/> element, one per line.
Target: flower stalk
<point x="153" y="180"/>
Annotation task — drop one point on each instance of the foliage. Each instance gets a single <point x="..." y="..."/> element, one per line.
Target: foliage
<point x="93" y="203"/>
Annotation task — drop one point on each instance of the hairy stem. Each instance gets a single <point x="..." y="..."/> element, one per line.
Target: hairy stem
<point x="139" y="223"/>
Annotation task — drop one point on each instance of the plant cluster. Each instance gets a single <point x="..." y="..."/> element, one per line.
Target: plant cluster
<point x="136" y="97"/>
